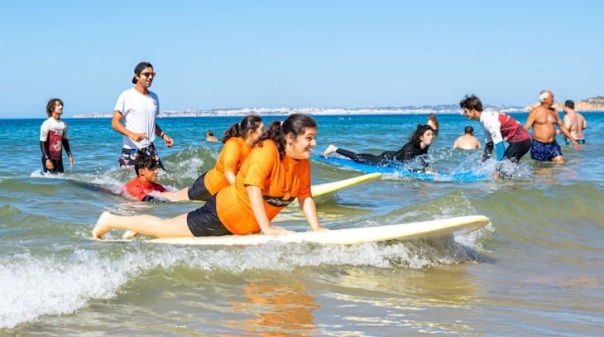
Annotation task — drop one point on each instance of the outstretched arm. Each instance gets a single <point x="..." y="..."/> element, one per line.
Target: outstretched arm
<point x="309" y="208"/>
<point x="530" y="120"/>
<point x="254" y="193"/>
<point x="159" y="132"/>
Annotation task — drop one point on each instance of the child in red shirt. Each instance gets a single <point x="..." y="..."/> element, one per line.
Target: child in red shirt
<point x="143" y="185"/>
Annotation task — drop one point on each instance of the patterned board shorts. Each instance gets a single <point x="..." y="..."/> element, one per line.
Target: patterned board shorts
<point x="128" y="156"/>
<point x="545" y="152"/>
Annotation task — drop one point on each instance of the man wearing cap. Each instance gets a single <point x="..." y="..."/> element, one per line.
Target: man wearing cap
<point x="134" y="117"/>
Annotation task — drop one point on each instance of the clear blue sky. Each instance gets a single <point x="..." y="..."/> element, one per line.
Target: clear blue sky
<point x="311" y="53"/>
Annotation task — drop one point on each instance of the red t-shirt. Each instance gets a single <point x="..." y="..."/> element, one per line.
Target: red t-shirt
<point x="139" y="189"/>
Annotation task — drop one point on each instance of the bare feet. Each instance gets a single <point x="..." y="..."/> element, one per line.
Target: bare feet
<point x="129" y="235"/>
<point x="329" y="150"/>
<point x="102" y="225"/>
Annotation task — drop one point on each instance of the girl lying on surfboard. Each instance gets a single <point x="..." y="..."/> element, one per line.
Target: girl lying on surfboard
<point x="418" y="146"/>
<point x="238" y="141"/>
<point x="276" y="172"/>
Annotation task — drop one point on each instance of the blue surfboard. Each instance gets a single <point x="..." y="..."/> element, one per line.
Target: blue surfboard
<point x="468" y="176"/>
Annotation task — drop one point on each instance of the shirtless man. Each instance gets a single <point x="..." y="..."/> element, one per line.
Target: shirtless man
<point x="543" y="119"/>
<point x="467" y="141"/>
<point x="574" y="122"/>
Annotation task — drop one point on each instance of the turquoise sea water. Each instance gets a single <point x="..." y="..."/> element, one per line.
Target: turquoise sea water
<point x="536" y="270"/>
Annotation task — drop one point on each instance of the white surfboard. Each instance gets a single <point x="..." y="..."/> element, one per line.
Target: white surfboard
<point x="327" y="188"/>
<point x="349" y="236"/>
<point x="332" y="187"/>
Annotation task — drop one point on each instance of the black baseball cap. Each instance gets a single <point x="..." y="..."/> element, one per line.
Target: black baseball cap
<point x="140" y="67"/>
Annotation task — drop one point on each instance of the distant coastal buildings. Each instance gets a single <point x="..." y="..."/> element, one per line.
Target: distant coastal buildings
<point x="586" y="105"/>
<point x="438" y="109"/>
<point x="590" y="104"/>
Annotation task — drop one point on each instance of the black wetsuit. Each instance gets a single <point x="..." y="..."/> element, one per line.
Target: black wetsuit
<point x="404" y="155"/>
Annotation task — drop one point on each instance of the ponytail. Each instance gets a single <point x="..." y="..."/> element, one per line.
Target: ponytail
<point x="233" y="131"/>
<point x="249" y="122"/>
<point x="294" y="124"/>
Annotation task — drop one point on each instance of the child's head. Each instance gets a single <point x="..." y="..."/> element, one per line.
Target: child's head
<point x="146" y="167"/>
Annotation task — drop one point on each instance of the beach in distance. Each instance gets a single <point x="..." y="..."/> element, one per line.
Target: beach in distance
<point x="537" y="269"/>
<point x="440" y="109"/>
<point x="595" y="104"/>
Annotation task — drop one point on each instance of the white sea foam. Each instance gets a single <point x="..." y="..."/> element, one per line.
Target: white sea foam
<point x="33" y="286"/>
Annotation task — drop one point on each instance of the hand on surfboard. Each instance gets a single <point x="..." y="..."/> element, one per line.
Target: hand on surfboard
<point x="276" y="230"/>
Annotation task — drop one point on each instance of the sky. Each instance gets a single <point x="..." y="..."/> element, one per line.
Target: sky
<point x="298" y="53"/>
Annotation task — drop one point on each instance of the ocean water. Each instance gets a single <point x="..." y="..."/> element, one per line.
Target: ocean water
<point x="536" y="270"/>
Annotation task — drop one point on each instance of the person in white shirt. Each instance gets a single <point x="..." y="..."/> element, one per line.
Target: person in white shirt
<point x="134" y="117"/>
<point x="53" y="138"/>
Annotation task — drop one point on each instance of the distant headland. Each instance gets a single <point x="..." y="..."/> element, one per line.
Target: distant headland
<point x="586" y="105"/>
<point x="590" y="104"/>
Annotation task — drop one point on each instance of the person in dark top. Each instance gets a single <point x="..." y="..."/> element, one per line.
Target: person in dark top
<point x="418" y="146"/>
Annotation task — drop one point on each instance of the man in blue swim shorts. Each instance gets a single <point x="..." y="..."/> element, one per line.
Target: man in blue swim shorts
<point x="545" y="152"/>
<point x="543" y="120"/>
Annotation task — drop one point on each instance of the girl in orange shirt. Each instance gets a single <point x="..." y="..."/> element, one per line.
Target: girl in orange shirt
<point x="238" y="141"/>
<point x="275" y="173"/>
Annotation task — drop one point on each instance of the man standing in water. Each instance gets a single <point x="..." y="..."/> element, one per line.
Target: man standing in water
<point x="543" y="119"/>
<point x="467" y="141"/>
<point x="574" y="122"/>
<point x="134" y="117"/>
<point x="53" y="138"/>
<point x="498" y="127"/>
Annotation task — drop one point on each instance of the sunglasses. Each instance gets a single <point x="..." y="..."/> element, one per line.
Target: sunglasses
<point x="148" y="74"/>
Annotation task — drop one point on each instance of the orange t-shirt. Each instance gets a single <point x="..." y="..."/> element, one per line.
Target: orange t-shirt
<point x="232" y="155"/>
<point x="281" y="181"/>
<point x="139" y="189"/>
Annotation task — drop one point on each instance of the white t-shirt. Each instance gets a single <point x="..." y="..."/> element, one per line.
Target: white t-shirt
<point x="53" y="132"/>
<point x="499" y="126"/>
<point x="139" y="113"/>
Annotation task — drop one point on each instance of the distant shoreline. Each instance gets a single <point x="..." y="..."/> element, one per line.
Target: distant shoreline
<point x="310" y="111"/>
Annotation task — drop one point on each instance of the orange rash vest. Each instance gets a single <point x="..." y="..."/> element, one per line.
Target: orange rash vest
<point x="281" y="181"/>
<point x="232" y="155"/>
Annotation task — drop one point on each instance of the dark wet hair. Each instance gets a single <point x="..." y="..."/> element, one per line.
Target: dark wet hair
<point x="569" y="104"/>
<point x="469" y="129"/>
<point x="144" y="161"/>
<point x="294" y="124"/>
<point x="249" y="122"/>
<point x="419" y="131"/>
<point x="471" y="102"/>
<point x="50" y="106"/>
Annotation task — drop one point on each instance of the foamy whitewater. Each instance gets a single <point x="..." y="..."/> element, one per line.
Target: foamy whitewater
<point x="537" y="269"/>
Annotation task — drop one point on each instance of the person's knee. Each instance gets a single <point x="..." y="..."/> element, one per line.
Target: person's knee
<point x="559" y="160"/>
